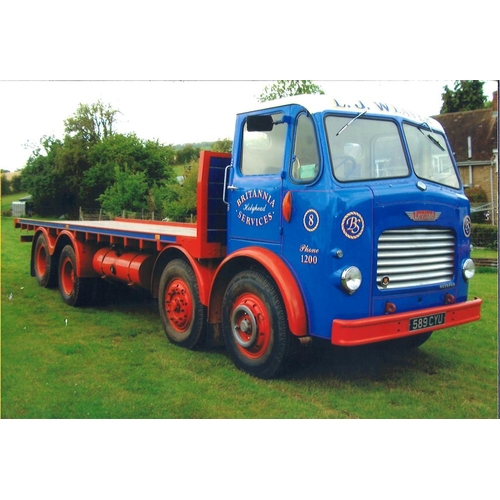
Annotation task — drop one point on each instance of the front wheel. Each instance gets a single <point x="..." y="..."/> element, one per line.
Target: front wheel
<point x="181" y="311"/>
<point x="254" y="325"/>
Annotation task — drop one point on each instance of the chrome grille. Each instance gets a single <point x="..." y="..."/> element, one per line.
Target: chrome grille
<point x="415" y="257"/>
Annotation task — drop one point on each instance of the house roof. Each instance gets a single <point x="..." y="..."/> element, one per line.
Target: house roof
<point x="480" y="125"/>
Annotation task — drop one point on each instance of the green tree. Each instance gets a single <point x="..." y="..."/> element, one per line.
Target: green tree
<point x="187" y="154"/>
<point x="286" y="88"/>
<point x="153" y="159"/>
<point x="63" y="175"/>
<point x="92" y="122"/>
<point x="467" y="95"/>
<point x="6" y="184"/>
<point x="150" y="157"/>
<point x="128" y="192"/>
<point x="179" y="200"/>
<point x="70" y="164"/>
<point x="54" y="176"/>
<point x="42" y="180"/>
<point x="222" y="146"/>
<point x="15" y="183"/>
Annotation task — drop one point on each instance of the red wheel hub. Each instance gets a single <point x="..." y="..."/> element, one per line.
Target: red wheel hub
<point x="251" y="326"/>
<point x="67" y="276"/>
<point x="41" y="260"/>
<point x="179" y="305"/>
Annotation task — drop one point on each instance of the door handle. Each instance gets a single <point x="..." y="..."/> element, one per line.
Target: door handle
<point x="225" y="187"/>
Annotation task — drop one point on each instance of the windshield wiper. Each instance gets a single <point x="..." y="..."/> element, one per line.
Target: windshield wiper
<point x="436" y="142"/>
<point x="431" y="137"/>
<point x="354" y="119"/>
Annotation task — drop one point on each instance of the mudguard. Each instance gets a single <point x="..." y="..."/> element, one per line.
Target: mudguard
<point x="285" y="280"/>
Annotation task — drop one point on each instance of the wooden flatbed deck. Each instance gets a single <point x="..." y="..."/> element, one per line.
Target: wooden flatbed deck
<point x="204" y="240"/>
<point x="147" y="230"/>
<point x="131" y="233"/>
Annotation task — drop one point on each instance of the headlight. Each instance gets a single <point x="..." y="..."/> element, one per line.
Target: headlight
<point x="468" y="269"/>
<point x="351" y="279"/>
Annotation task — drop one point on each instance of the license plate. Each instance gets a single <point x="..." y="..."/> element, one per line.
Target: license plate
<point x="429" y="321"/>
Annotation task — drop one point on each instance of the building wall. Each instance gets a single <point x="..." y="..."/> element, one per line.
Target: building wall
<point x="482" y="177"/>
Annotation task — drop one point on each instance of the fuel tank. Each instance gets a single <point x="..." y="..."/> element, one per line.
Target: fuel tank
<point x="132" y="268"/>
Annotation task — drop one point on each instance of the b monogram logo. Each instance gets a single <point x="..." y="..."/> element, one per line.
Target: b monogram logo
<point x="467" y="226"/>
<point x="353" y="225"/>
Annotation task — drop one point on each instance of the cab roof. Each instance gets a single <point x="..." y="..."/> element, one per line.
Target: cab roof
<point x="315" y="103"/>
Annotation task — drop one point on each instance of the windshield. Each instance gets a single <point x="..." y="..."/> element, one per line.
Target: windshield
<point x="430" y="156"/>
<point x="363" y="149"/>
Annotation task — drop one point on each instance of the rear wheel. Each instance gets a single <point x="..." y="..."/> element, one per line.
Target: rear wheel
<point x="254" y="325"/>
<point x="75" y="291"/>
<point x="45" y="265"/>
<point x="181" y="311"/>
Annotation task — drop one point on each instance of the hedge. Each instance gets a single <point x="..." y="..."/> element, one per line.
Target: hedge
<point x="484" y="236"/>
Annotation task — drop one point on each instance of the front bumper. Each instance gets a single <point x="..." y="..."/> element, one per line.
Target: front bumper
<point x="393" y="326"/>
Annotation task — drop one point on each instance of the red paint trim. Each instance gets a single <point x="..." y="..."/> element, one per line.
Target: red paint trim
<point x="287" y="206"/>
<point x="178" y="304"/>
<point x="203" y="270"/>
<point x="204" y="276"/>
<point x="393" y="326"/>
<point x="200" y="247"/>
<point x="84" y="253"/>
<point x="67" y="276"/>
<point x="289" y="289"/>
<point x="51" y="240"/>
<point x="260" y="345"/>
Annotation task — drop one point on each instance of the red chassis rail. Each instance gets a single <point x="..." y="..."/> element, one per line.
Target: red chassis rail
<point x="393" y="326"/>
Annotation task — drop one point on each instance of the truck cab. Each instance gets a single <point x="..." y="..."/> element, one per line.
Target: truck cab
<point x="364" y="204"/>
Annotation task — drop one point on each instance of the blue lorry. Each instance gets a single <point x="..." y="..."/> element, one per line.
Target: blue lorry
<point x="331" y="219"/>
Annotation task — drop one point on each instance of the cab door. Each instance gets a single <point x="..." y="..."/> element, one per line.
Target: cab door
<point x="254" y="187"/>
<point x="307" y="201"/>
<point x="308" y="222"/>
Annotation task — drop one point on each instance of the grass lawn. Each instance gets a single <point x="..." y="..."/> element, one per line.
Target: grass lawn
<point x="484" y="253"/>
<point x="115" y="362"/>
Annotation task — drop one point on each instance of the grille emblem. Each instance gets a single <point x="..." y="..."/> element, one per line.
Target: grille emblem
<point x="423" y="215"/>
<point x="467" y="226"/>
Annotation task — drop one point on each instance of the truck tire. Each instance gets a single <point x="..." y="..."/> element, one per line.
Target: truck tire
<point x="75" y="291"/>
<point x="182" y="314"/>
<point x="45" y="265"/>
<point x="255" y="327"/>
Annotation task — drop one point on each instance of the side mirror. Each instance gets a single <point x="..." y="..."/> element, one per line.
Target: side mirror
<point x="260" y="123"/>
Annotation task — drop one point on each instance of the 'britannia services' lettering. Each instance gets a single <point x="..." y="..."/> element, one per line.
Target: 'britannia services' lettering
<point x="251" y="212"/>
<point x="256" y="193"/>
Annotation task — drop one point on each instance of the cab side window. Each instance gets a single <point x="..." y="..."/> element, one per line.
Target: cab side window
<point x="305" y="166"/>
<point x="264" y="152"/>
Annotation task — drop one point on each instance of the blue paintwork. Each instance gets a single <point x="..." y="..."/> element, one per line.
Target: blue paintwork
<point x="309" y="242"/>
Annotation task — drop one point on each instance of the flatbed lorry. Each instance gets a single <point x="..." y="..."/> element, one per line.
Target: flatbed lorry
<point x="338" y="220"/>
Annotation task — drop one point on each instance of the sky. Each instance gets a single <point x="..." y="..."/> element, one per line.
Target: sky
<point x="173" y="111"/>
